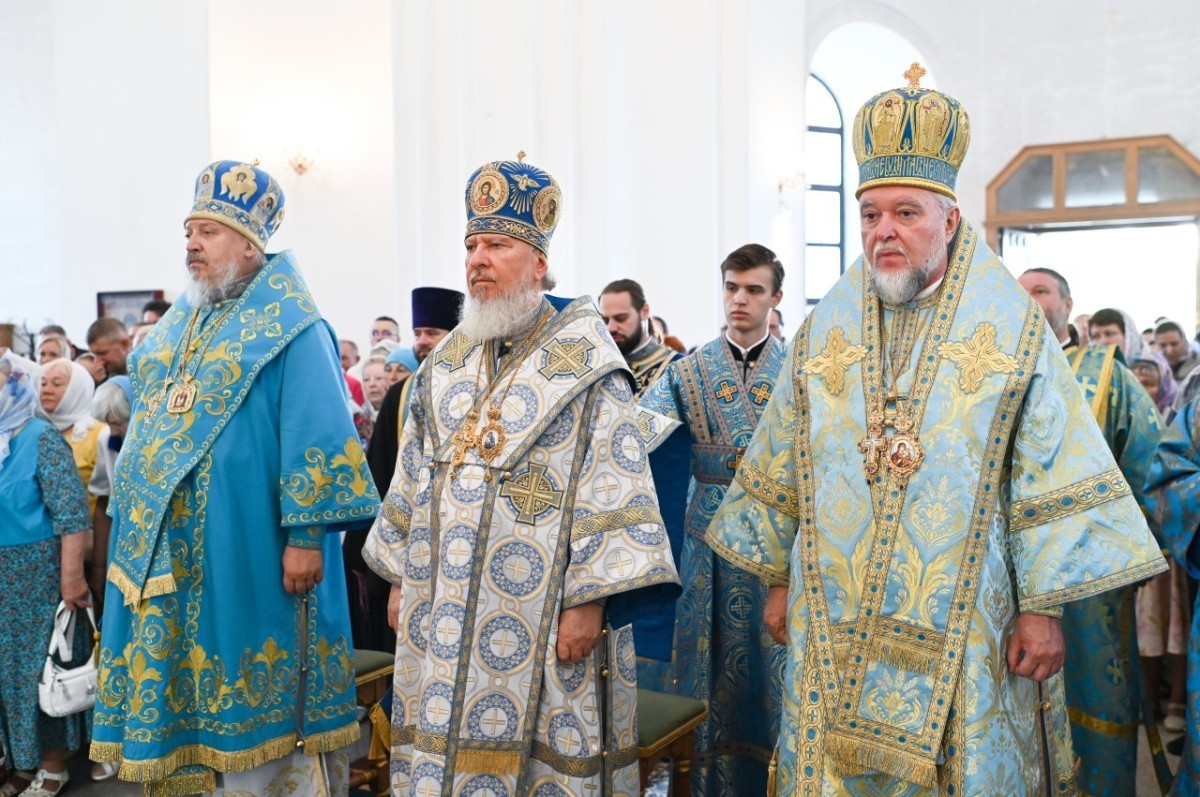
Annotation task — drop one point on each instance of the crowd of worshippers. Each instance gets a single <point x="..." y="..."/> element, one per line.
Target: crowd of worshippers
<point x="936" y="541"/>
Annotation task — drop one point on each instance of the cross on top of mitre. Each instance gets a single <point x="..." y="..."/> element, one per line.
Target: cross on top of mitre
<point x="914" y="75"/>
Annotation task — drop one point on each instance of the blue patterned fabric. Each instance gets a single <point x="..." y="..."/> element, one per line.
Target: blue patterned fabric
<point x="240" y="196"/>
<point x="1104" y="687"/>
<point x="41" y="465"/>
<point x="224" y="670"/>
<point x="1173" y="498"/>
<point x="720" y="653"/>
<point x="516" y="199"/>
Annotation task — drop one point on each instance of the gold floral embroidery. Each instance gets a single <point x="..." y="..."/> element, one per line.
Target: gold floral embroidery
<point x="831" y="364"/>
<point x="978" y="357"/>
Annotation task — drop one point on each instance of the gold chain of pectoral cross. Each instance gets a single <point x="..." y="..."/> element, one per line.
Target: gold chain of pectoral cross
<point x="489" y="441"/>
<point x="902" y="451"/>
<point x="179" y="388"/>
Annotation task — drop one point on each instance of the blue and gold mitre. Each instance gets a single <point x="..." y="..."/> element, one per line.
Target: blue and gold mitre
<point x="911" y="136"/>
<point x="241" y="196"/>
<point x="516" y="199"/>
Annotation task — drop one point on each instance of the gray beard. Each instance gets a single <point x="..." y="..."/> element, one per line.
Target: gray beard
<point x="903" y="287"/>
<point x="502" y="316"/>
<point x="200" y="293"/>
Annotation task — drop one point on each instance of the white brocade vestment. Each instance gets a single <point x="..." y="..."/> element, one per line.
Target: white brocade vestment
<point x="569" y="516"/>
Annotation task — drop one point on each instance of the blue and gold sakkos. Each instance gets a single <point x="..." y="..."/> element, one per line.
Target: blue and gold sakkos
<point x="903" y="589"/>
<point x="204" y="503"/>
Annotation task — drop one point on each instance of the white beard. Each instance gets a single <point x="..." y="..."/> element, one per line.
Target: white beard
<point x="200" y="292"/>
<point x="502" y="316"/>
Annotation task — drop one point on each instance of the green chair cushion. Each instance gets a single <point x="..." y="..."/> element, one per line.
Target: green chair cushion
<point x="660" y="713"/>
<point x="368" y="661"/>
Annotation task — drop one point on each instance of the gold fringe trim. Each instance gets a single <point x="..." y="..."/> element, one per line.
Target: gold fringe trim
<point x="133" y="594"/>
<point x="852" y="756"/>
<point x="381" y="733"/>
<point x="493" y="762"/>
<point x="183" y="785"/>
<point x="772" y="772"/>
<point x="160" y="769"/>
<point x="895" y="653"/>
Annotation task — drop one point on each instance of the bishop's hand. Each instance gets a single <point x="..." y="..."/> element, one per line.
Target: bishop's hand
<point x="303" y="569"/>
<point x="578" y="631"/>
<point x="1036" y="649"/>
<point x="775" y="614"/>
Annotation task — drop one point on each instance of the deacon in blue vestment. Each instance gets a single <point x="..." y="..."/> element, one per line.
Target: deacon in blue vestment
<point x="722" y="656"/>
<point x="1173" y="495"/>
<point x="226" y="640"/>
<point x="1104" y="687"/>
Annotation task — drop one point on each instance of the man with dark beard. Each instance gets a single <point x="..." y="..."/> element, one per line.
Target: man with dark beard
<point x="918" y="587"/>
<point x="225" y="657"/>
<point x="522" y="505"/>
<point x="626" y="313"/>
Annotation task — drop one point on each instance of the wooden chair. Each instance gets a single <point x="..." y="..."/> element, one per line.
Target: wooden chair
<point x="372" y="678"/>
<point x="666" y="727"/>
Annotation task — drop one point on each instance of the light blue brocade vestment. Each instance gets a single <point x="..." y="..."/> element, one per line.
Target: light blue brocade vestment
<point x="206" y="663"/>
<point x="722" y="654"/>
<point x="1101" y="672"/>
<point x="488" y="553"/>
<point x="903" y="590"/>
<point x="1173" y="496"/>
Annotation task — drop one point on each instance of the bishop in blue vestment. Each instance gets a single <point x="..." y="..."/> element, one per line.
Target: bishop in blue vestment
<point x="226" y="639"/>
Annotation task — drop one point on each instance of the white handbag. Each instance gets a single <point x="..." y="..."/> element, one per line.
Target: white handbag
<point x="63" y="691"/>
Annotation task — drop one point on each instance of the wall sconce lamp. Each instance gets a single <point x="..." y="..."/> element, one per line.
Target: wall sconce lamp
<point x="301" y="162"/>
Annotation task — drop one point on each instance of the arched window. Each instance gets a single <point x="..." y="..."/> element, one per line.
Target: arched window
<point x="824" y="212"/>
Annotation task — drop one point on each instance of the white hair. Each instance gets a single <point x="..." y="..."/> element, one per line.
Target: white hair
<point x="110" y="404"/>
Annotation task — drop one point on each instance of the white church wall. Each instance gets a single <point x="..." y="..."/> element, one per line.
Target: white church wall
<point x="111" y="114"/>
<point x="30" y="264"/>
<point x="306" y="77"/>
<point x="667" y="124"/>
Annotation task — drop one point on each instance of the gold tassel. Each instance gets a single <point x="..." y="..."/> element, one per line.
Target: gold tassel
<point x="772" y="770"/>
<point x="906" y="657"/>
<point x="852" y="756"/>
<point x="160" y="769"/>
<point x="381" y="734"/>
<point x="132" y="593"/>
<point x="493" y="762"/>
<point x="181" y="785"/>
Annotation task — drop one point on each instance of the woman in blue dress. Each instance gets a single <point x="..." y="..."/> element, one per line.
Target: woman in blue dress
<point x="44" y="531"/>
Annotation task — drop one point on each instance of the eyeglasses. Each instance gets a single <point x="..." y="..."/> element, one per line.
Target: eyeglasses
<point x="382" y="333"/>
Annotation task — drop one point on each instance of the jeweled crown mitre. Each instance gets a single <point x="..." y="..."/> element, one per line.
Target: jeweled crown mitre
<point x="911" y="136"/>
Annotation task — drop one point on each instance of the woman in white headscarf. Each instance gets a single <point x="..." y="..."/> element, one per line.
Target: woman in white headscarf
<point x="65" y="395"/>
<point x="44" y="532"/>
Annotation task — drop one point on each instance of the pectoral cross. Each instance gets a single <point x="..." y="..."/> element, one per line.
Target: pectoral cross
<point x="464" y="441"/>
<point x="872" y="445"/>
